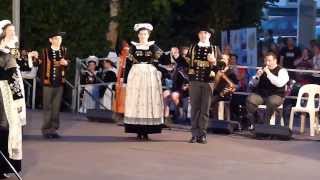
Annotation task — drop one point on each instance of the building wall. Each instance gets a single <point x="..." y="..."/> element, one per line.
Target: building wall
<point x="292" y="3"/>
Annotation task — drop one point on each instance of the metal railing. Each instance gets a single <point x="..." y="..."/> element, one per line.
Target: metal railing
<point x="80" y="65"/>
<point x="289" y="70"/>
<point x="77" y="86"/>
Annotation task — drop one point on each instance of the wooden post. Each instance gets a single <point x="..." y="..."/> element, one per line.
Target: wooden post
<point x="16" y="16"/>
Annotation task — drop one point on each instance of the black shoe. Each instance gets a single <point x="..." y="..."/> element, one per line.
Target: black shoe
<point x="202" y="140"/>
<point x="55" y="136"/>
<point x="193" y="139"/>
<point x="4" y="176"/>
<point x="139" y="137"/>
<point x="47" y="136"/>
<point x="146" y="137"/>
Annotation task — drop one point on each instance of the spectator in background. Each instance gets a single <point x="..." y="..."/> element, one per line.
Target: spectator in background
<point x="166" y="102"/>
<point x="316" y="64"/>
<point x="28" y="64"/>
<point x="237" y="103"/>
<point x="289" y="54"/>
<point x="264" y="51"/>
<point x="268" y="38"/>
<point x="274" y="48"/>
<point x="280" y="42"/>
<point x="88" y="75"/>
<point x="107" y="75"/>
<point x="180" y="75"/>
<point x="313" y="43"/>
<point x="227" y="49"/>
<point x="304" y="62"/>
<point x="113" y="58"/>
<point x="241" y="73"/>
<point x="167" y="64"/>
<point x="91" y="92"/>
<point x="175" y="107"/>
<point x="184" y="51"/>
<point x="181" y="62"/>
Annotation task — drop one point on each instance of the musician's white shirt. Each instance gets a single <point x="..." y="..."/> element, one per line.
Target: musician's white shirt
<point x="279" y="81"/>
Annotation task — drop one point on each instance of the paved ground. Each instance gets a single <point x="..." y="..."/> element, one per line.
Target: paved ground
<point x="99" y="151"/>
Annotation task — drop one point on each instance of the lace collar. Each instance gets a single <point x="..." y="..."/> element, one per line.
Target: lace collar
<point x="206" y="44"/>
<point x="144" y="46"/>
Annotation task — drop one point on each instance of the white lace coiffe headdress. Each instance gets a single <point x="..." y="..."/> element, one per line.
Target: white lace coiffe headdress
<point x="3" y="23"/>
<point x="92" y="58"/>
<point x="139" y="26"/>
<point x="13" y="42"/>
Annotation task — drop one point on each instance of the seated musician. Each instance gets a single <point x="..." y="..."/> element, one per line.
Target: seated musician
<point x="28" y="63"/>
<point x="27" y="60"/>
<point x="268" y="87"/>
<point x="167" y="65"/>
<point x="90" y="91"/>
<point x="88" y="75"/>
<point x="225" y="81"/>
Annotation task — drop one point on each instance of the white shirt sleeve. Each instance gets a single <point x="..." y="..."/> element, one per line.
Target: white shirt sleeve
<point x="30" y="62"/>
<point x="280" y="80"/>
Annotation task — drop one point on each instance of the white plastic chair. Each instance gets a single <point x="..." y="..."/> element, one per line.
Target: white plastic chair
<point x="311" y="90"/>
<point x="273" y="117"/>
<point x="222" y="106"/>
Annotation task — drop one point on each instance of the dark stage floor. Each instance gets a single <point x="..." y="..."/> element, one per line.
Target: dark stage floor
<point x="98" y="151"/>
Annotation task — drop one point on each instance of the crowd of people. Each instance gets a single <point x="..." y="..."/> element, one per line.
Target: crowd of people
<point x="175" y="76"/>
<point x="291" y="56"/>
<point x="182" y="85"/>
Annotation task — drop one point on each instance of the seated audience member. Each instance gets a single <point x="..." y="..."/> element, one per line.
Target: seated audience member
<point x="91" y="92"/>
<point x="107" y="75"/>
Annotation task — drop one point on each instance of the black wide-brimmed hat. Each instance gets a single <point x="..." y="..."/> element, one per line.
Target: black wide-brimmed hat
<point x="204" y="27"/>
<point x="56" y="33"/>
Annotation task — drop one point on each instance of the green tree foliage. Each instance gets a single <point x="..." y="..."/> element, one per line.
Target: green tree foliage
<point x="156" y="12"/>
<point x="175" y="22"/>
<point x="5" y="9"/>
<point x="84" y="21"/>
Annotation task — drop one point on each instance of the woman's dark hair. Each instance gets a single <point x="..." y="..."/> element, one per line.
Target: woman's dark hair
<point x="141" y="29"/>
<point x="5" y="27"/>
<point x="310" y="54"/>
<point x="2" y="36"/>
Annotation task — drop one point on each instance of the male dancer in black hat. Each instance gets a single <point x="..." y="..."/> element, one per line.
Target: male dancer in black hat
<point x="202" y="59"/>
<point x="54" y="62"/>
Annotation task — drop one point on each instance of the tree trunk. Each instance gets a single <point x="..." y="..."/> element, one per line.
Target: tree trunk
<point x="112" y="33"/>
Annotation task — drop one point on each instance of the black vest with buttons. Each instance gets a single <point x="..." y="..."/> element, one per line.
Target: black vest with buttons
<point x="265" y="88"/>
<point x="52" y="72"/>
<point x="197" y="53"/>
